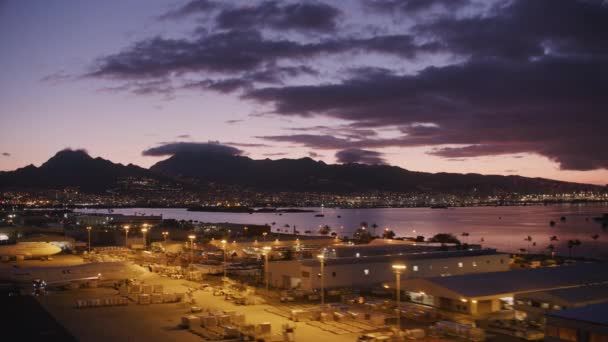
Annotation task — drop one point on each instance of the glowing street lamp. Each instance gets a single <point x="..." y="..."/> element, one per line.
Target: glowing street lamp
<point x="191" y="237"/>
<point x="126" y="227"/>
<point x="398" y="269"/>
<point x="89" y="233"/>
<point x="321" y="258"/>
<point x="143" y="232"/>
<point x="267" y="250"/>
<point x="165" y="235"/>
<point x="224" y="248"/>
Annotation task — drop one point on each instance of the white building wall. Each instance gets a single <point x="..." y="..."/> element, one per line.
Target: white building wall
<point x="362" y="274"/>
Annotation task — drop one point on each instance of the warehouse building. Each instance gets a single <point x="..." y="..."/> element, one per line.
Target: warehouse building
<point x="486" y="293"/>
<point x="582" y="324"/>
<point x="537" y="304"/>
<point x="371" y="271"/>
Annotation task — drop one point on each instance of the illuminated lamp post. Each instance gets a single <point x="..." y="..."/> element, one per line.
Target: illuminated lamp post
<point x="267" y="250"/>
<point x="126" y="227"/>
<point x="321" y="258"/>
<point x="398" y="269"/>
<point x="143" y="232"/>
<point x="191" y="237"/>
<point x="165" y="236"/>
<point x="224" y="249"/>
<point x="89" y="233"/>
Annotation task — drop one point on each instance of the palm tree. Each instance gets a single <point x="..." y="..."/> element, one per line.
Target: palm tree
<point x="572" y="244"/>
<point x="595" y="237"/>
<point x="465" y="235"/>
<point x="551" y="249"/>
<point x="529" y="239"/>
<point x="374" y="226"/>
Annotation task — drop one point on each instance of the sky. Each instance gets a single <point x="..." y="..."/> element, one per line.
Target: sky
<point x="493" y="87"/>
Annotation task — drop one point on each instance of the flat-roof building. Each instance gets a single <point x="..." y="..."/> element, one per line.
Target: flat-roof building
<point x="537" y="304"/>
<point x="371" y="271"/>
<point x="484" y="293"/>
<point x="583" y="324"/>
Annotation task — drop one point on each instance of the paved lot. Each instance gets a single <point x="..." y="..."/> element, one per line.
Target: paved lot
<point x="159" y="322"/>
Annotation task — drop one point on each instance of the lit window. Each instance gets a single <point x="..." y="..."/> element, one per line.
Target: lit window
<point x="460" y="264"/>
<point x="366" y="271"/>
<point x="415" y="268"/>
<point x="474" y="264"/>
<point x="357" y="255"/>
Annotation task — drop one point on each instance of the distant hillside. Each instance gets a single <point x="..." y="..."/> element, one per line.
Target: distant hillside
<point x="73" y="168"/>
<point x="309" y="175"/>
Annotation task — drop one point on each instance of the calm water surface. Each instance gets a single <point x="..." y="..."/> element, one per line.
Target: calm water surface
<point x="504" y="228"/>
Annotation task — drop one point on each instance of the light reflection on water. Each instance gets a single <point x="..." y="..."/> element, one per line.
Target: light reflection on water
<point x="504" y="228"/>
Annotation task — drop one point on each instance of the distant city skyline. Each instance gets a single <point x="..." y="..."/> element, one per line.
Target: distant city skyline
<point x="491" y="87"/>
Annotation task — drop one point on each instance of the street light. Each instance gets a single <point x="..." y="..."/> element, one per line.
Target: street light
<point x="144" y="231"/>
<point x="89" y="233"/>
<point x="267" y="250"/>
<point x="398" y="269"/>
<point x="127" y="235"/>
<point x="191" y="237"/>
<point x="224" y="248"/>
<point x="322" y="260"/>
<point x="165" y="235"/>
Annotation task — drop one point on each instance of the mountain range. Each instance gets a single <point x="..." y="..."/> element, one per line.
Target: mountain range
<point x="75" y="168"/>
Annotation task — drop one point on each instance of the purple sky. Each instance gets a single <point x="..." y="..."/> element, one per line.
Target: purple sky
<point x="495" y="87"/>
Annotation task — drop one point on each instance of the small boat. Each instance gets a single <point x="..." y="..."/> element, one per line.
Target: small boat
<point x="319" y="215"/>
<point x="439" y="206"/>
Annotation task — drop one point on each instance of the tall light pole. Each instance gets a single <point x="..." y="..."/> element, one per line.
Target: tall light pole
<point x="89" y="233"/>
<point x="322" y="260"/>
<point x="143" y="232"/>
<point x="398" y="269"/>
<point x="165" y="235"/>
<point x="224" y="249"/>
<point x="191" y="237"/>
<point x="267" y="250"/>
<point x="127" y="235"/>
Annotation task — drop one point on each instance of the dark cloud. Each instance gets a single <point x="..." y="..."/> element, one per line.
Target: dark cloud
<point x="314" y="155"/>
<point x="237" y="144"/>
<point x="191" y="8"/>
<point x="359" y="156"/>
<point x="57" y="77"/>
<point x="310" y="16"/>
<point x="552" y="106"/>
<point x="523" y="29"/>
<point x="518" y="77"/>
<point x="234" y="121"/>
<point x="171" y="148"/>
<point x="235" y="52"/>
<point x="6" y="154"/>
<point x="413" y="6"/>
<point x="248" y="80"/>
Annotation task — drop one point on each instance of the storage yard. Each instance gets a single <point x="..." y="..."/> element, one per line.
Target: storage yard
<point x="161" y="322"/>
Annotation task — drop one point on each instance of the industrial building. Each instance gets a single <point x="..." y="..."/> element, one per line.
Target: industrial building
<point x="370" y="271"/>
<point x="582" y="324"/>
<point x="485" y="293"/>
<point x="537" y="304"/>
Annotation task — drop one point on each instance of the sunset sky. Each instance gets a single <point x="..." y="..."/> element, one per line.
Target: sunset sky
<point x="494" y="87"/>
